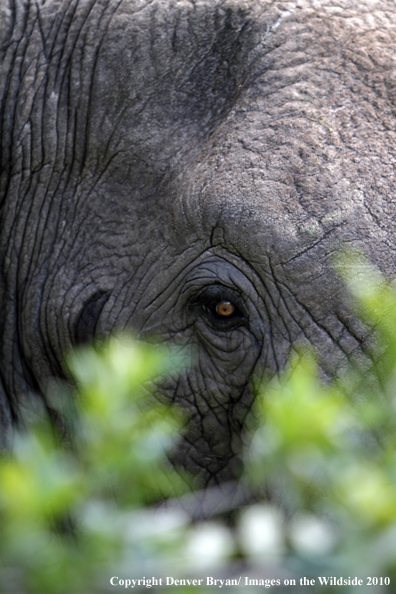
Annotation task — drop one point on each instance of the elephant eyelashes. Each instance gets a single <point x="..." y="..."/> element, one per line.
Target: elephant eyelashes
<point x="222" y="307"/>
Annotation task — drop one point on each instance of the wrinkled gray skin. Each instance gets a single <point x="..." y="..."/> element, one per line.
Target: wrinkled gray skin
<point x="160" y="156"/>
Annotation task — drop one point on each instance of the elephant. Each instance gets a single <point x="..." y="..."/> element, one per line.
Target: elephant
<point x="187" y="169"/>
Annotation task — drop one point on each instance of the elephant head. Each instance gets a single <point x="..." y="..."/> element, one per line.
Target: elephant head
<point x="186" y="169"/>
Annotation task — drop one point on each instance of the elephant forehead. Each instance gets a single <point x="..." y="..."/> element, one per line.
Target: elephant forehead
<point x="307" y="152"/>
<point x="168" y="72"/>
<point x="286" y="188"/>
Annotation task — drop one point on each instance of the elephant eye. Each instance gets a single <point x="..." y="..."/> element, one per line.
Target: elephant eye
<point x="225" y="309"/>
<point x="222" y="307"/>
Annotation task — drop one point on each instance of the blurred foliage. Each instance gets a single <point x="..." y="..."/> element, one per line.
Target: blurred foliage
<point x="76" y="511"/>
<point x="327" y="451"/>
<point x="66" y="506"/>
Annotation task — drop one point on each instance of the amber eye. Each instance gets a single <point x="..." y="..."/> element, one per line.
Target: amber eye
<point x="220" y="307"/>
<point x="225" y="309"/>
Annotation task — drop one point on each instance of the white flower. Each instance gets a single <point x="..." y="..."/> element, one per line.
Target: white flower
<point x="311" y="535"/>
<point x="261" y="531"/>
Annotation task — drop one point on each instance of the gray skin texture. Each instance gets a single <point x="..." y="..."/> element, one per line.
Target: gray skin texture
<point x="161" y="156"/>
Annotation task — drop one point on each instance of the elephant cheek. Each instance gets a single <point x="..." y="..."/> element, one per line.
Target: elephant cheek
<point x="215" y="412"/>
